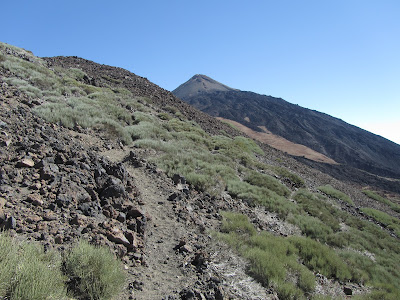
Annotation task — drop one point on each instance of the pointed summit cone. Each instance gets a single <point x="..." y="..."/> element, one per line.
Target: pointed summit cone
<point x="200" y="84"/>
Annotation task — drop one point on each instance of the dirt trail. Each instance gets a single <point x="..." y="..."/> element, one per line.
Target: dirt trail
<point x="162" y="276"/>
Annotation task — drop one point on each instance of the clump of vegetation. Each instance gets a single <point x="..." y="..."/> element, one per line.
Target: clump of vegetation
<point x="27" y="272"/>
<point x="295" y="179"/>
<point x="94" y="271"/>
<point x="266" y="181"/>
<point x="332" y="192"/>
<point x="261" y="196"/>
<point x="318" y="208"/>
<point x="283" y="173"/>
<point x="311" y="227"/>
<point x="389" y="221"/>
<point x="236" y="223"/>
<point x="321" y="258"/>
<point x="273" y="259"/>
<point x="378" y="269"/>
<point x="381" y="199"/>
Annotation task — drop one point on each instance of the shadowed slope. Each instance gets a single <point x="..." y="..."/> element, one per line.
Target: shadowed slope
<point x="332" y="137"/>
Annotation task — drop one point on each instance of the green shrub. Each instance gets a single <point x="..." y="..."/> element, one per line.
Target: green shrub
<point x="318" y="208"/>
<point x="311" y="226"/>
<point x="202" y="171"/>
<point x="391" y="222"/>
<point x="296" y="180"/>
<point x="320" y="258"/>
<point x="95" y="272"/>
<point x="27" y="273"/>
<point x="164" y="116"/>
<point x="238" y="223"/>
<point x="383" y="291"/>
<point x="264" y="266"/>
<point x="261" y="196"/>
<point x="266" y="181"/>
<point x="272" y="260"/>
<point x="8" y="263"/>
<point x="381" y="199"/>
<point x="339" y="239"/>
<point x="288" y="291"/>
<point x="75" y="73"/>
<point x="148" y="130"/>
<point x="38" y="276"/>
<point x="330" y="191"/>
<point x="239" y="149"/>
<point x="361" y="267"/>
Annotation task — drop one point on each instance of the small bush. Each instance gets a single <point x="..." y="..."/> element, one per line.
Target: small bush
<point x="330" y="191"/>
<point x="28" y="273"/>
<point x="38" y="275"/>
<point x="321" y="258"/>
<point x="8" y="263"/>
<point x="318" y="208"/>
<point x="266" y="181"/>
<point x="273" y="261"/>
<point x="296" y="180"/>
<point x="381" y="199"/>
<point x="261" y="196"/>
<point x="391" y="222"/>
<point x="95" y="272"/>
<point x="238" y="223"/>
<point x="383" y="291"/>
<point x="311" y="226"/>
<point x="164" y="116"/>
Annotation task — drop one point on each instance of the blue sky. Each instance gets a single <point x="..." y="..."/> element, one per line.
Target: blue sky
<point x="340" y="57"/>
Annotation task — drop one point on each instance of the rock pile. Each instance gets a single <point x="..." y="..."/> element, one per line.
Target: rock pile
<point x="56" y="191"/>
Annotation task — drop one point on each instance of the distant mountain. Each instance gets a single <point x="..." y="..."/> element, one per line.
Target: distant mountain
<point x="340" y="141"/>
<point x="200" y="84"/>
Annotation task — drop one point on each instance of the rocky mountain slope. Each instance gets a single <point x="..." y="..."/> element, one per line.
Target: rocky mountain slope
<point x="342" y="142"/>
<point x="187" y="203"/>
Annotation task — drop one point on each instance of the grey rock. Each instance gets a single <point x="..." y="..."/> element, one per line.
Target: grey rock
<point x="121" y="217"/>
<point x="11" y="223"/>
<point x="348" y="291"/>
<point x="63" y="200"/>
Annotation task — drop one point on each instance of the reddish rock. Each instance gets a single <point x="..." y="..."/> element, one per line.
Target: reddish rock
<point x="131" y="236"/>
<point x="117" y="236"/>
<point x="78" y="220"/>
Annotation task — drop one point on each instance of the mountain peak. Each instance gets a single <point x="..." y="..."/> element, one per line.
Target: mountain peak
<point x="200" y="83"/>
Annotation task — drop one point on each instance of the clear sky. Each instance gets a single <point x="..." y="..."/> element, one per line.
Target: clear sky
<point x="340" y="57"/>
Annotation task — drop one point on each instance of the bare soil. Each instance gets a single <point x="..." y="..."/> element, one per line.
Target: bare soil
<point x="281" y="143"/>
